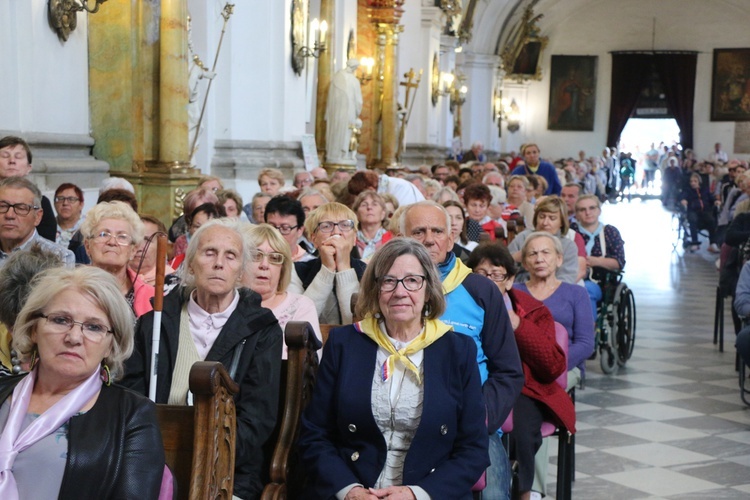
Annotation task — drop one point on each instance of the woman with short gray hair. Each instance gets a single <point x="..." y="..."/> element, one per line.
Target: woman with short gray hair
<point x="210" y="318"/>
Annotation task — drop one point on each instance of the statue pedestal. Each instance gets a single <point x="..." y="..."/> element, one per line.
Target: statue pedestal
<point x="349" y="165"/>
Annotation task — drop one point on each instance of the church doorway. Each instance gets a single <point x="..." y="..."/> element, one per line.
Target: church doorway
<point x="637" y="138"/>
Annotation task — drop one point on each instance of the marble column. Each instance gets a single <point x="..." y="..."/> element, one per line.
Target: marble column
<point x="385" y="15"/>
<point x="173" y="85"/>
<point x="325" y="70"/>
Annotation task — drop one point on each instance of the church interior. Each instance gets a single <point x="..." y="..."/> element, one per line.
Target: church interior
<point x="160" y="92"/>
<point x="107" y="94"/>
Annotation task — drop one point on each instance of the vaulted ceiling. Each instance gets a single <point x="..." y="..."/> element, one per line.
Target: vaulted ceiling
<point x="645" y="24"/>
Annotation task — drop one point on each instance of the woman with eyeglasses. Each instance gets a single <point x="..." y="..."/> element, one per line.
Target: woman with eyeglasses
<point x="269" y="272"/>
<point x="331" y="279"/>
<point x="69" y="206"/>
<point x="542" y="359"/>
<point x="397" y="410"/>
<point x="65" y="430"/>
<point x="112" y="231"/>
<point x="371" y="214"/>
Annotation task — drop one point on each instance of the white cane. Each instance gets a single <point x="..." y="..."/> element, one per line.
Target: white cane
<point x="161" y="258"/>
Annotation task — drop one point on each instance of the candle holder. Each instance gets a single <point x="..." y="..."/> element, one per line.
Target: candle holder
<point x="63" y="14"/>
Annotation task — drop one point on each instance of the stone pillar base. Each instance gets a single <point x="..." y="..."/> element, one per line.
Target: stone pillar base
<point x="162" y="189"/>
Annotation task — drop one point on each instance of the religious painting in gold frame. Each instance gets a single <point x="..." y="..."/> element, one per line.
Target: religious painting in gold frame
<point x="526" y="64"/>
<point x="730" y="89"/>
<point x="522" y="52"/>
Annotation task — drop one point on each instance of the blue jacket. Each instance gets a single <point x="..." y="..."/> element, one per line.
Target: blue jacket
<point x="546" y="170"/>
<point x="476" y="309"/>
<point x="341" y="444"/>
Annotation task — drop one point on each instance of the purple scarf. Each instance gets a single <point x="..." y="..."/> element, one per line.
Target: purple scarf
<point x="13" y="441"/>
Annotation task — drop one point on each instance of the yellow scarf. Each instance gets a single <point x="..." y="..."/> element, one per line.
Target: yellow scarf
<point x="457" y="275"/>
<point x="433" y="330"/>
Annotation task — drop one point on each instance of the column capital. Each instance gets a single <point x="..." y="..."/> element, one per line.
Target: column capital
<point x="385" y="11"/>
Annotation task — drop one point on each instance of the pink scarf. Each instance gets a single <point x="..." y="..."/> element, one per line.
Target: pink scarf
<point x="13" y="441"/>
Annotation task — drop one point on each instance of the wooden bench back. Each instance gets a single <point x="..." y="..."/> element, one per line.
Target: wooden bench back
<point x="297" y="382"/>
<point x="199" y="441"/>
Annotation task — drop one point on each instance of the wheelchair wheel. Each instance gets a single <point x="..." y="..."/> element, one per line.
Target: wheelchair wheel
<point x="624" y="330"/>
<point x="607" y="359"/>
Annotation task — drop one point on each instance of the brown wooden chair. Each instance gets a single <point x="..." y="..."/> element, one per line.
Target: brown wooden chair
<point x="297" y="382"/>
<point x="199" y="441"/>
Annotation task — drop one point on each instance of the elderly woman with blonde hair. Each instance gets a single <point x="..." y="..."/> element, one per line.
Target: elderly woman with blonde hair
<point x="112" y="231"/>
<point x="332" y="278"/>
<point x="269" y="272"/>
<point x="94" y="439"/>
<point x="271" y="180"/>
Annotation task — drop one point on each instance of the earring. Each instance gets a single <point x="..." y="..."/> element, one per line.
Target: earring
<point x="105" y="375"/>
<point x="426" y="311"/>
<point x="377" y="315"/>
<point x="34" y="359"/>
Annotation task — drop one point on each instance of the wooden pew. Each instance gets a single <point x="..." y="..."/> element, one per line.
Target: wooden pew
<point x="199" y="441"/>
<point x="297" y="382"/>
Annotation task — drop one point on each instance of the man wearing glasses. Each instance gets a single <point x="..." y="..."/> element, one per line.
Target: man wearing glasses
<point x="20" y="214"/>
<point x="474" y="307"/>
<point x="15" y="161"/>
<point x="288" y="217"/>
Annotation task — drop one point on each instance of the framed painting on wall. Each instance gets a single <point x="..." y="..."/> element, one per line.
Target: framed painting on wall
<point x="730" y="89"/>
<point x="572" y="93"/>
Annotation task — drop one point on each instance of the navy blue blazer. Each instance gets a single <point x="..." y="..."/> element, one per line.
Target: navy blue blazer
<point x="340" y="443"/>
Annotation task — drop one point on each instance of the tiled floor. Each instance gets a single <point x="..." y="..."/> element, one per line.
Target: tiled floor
<point x="671" y="423"/>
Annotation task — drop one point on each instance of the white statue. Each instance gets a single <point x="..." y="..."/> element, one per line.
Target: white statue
<point x="342" y="112"/>
<point x="198" y="71"/>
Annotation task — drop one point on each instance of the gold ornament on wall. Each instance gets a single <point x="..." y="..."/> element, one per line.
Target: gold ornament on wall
<point x="63" y="14"/>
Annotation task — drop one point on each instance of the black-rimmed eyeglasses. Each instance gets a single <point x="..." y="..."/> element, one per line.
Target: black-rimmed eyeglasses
<point x="411" y="283"/>
<point x="18" y="208"/>
<point x="327" y="226"/>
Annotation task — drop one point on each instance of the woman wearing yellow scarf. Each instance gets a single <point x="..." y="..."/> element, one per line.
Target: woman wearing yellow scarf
<point x="397" y="409"/>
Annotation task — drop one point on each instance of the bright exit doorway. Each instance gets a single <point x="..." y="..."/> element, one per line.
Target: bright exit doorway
<point x="637" y="137"/>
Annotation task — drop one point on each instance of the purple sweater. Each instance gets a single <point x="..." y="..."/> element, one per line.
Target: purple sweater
<point x="570" y="306"/>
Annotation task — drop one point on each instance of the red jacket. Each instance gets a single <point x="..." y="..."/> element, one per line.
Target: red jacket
<point x="542" y="359"/>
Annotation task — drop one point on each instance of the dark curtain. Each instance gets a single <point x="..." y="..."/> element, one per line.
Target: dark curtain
<point x="677" y="73"/>
<point x="630" y="74"/>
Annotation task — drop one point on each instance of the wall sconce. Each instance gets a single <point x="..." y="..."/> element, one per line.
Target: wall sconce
<point x="365" y="75"/>
<point x="63" y="14"/>
<point x="457" y="91"/>
<point x="318" y="30"/>
<point x="511" y="113"/>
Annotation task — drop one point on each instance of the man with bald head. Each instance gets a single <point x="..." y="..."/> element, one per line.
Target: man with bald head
<point x="474" y="307"/>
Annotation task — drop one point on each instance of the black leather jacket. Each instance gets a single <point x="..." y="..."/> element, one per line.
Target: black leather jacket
<point x="114" y="449"/>
<point x="258" y="374"/>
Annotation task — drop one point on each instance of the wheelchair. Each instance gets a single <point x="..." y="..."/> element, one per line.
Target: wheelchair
<point x="680" y="229"/>
<point x="615" y="323"/>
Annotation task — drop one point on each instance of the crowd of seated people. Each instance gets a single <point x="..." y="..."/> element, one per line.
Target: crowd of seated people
<point x="297" y="251"/>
